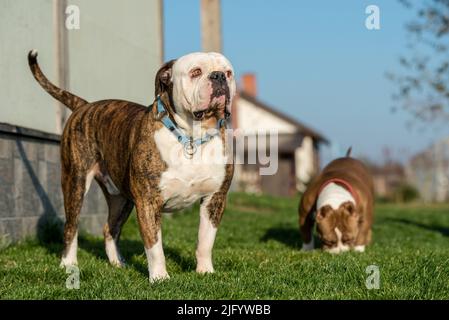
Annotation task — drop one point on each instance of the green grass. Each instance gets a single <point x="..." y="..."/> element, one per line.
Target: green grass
<point x="256" y="256"/>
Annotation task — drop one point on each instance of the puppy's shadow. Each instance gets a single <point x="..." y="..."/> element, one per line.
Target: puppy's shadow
<point x="283" y="234"/>
<point x="440" y="229"/>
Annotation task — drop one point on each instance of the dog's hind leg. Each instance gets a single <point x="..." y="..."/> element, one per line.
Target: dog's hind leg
<point x="119" y="210"/>
<point x="73" y="188"/>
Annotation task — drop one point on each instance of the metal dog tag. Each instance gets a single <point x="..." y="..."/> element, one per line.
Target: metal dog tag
<point x="189" y="149"/>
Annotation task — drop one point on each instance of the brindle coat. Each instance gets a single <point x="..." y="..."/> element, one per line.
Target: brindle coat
<point x="115" y="138"/>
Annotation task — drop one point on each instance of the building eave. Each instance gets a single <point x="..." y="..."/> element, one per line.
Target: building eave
<point x="299" y="126"/>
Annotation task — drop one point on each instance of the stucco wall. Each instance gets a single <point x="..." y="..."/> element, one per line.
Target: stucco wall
<point x="25" y="25"/>
<point x="251" y="119"/>
<point x="115" y="54"/>
<point x="117" y="50"/>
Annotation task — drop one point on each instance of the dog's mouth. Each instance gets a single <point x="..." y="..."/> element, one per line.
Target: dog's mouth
<point x="217" y="106"/>
<point x="217" y="109"/>
<point x="220" y="92"/>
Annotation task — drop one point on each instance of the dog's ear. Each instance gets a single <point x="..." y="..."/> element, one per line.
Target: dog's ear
<point x="323" y="213"/>
<point x="348" y="207"/>
<point x="163" y="78"/>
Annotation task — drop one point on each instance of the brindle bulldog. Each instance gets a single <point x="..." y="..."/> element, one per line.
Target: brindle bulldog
<point x="158" y="159"/>
<point x="341" y="197"/>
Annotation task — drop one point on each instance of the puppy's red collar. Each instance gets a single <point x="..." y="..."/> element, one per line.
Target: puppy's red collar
<point x="343" y="183"/>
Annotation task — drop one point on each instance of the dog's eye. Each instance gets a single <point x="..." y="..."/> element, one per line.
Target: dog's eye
<point x="229" y="73"/>
<point x="198" y="115"/>
<point x="196" y="73"/>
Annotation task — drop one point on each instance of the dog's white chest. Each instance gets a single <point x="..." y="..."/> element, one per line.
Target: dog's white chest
<point x="188" y="179"/>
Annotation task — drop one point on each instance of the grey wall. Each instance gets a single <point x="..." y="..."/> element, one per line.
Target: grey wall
<point x="117" y="50"/>
<point x="30" y="185"/>
<point x="25" y="25"/>
<point x="115" y="54"/>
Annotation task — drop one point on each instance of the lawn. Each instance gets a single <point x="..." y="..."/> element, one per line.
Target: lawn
<point x="256" y="256"/>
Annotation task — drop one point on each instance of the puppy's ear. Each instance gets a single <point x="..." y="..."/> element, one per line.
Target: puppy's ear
<point x="349" y="208"/>
<point x="163" y="78"/>
<point x="323" y="213"/>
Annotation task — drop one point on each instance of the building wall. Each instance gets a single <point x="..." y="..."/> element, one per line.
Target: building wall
<point x="305" y="164"/>
<point x="30" y="186"/>
<point x="252" y="119"/>
<point x="117" y="50"/>
<point x="25" y="25"/>
<point x="296" y="154"/>
<point x="115" y="54"/>
<point x="429" y="172"/>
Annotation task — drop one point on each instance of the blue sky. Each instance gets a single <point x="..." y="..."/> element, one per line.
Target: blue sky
<point x="316" y="61"/>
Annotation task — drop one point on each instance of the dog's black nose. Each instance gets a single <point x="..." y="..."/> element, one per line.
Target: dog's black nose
<point x="217" y="76"/>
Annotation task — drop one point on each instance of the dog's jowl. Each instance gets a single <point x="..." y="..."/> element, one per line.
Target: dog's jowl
<point x="340" y="199"/>
<point x="158" y="159"/>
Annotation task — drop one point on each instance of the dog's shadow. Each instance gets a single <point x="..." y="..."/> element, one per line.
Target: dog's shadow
<point x="435" y="228"/>
<point x="289" y="236"/>
<point x="130" y="250"/>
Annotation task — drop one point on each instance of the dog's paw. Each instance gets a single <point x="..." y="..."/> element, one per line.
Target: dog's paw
<point x="119" y="263"/>
<point x="114" y="256"/>
<point x="204" y="264"/>
<point x="159" y="276"/>
<point x="359" y="248"/>
<point x="205" y="269"/>
<point x="67" y="263"/>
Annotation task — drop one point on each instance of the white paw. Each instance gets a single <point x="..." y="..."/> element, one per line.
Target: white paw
<point x="204" y="269"/>
<point x="338" y="249"/>
<point x="204" y="263"/>
<point x="157" y="276"/>
<point x="334" y="250"/>
<point x="359" y="248"/>
<point x="119" y="263"/>
<point x="113" y="254"/>
<point x="68" y="262"/>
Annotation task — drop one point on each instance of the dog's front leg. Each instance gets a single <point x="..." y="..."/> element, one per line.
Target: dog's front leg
<point x="211" y="211"/>
<point x="149" y="217"/>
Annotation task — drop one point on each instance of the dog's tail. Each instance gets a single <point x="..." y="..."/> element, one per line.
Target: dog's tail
<point x="70" y="100"/>
<point x="348" y="153"/>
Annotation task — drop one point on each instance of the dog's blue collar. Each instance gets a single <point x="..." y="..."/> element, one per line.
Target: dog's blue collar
<point x="190" y="144"/>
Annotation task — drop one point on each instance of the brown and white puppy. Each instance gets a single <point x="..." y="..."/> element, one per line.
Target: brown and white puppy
<point x="342" y="199"/>
<point x="137" y="161"/>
